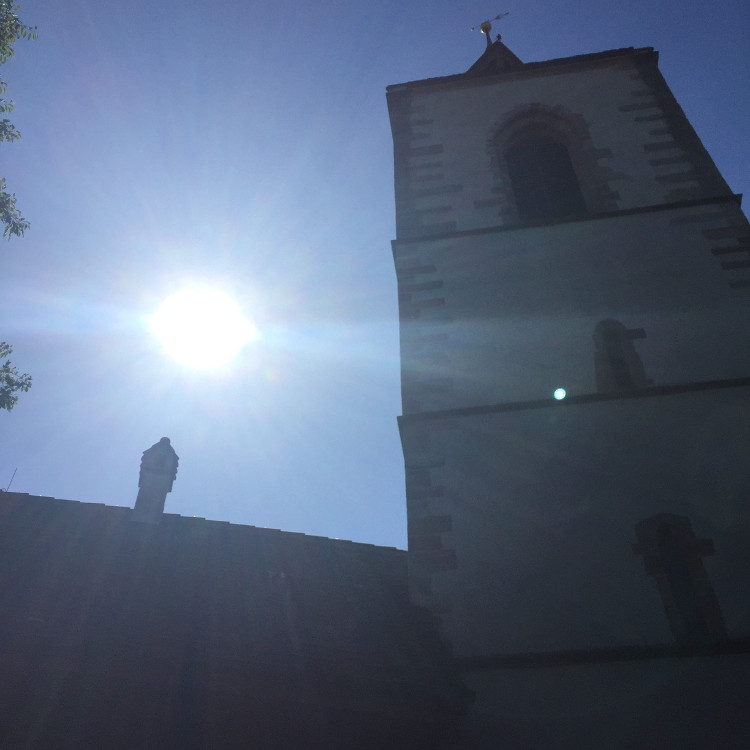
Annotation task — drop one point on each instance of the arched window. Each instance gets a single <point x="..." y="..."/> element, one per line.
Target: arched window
<point x="543" y="179"/>
<point x="616" y="363"/>
<point x="673" y="556"/>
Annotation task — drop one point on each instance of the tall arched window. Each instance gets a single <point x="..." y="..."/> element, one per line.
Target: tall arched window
<point x="544" y="182"/>
<point x="616" y="362"/>
<point x="673" y="555"/>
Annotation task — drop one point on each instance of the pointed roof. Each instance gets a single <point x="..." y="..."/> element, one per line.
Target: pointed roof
<point x="497" y="58"/>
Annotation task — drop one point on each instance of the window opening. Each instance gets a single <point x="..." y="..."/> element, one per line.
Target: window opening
<point x="672" y="555"/>
<point x="543" y="179"/>
<point x="616" y="362"/>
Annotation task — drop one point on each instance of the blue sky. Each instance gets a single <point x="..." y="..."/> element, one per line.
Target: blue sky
<point x="247" y="146"/>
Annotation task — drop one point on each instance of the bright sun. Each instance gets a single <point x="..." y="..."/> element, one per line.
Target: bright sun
<point x="202" y="328"/>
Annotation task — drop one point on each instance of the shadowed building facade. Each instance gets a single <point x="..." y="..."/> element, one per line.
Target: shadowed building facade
<point x="188" y="633"/>
<point x="561" y="228"/>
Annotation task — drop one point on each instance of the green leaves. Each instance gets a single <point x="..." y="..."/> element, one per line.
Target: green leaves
<point x="11" y="29"/>
<point x="5" y="106"/>
<point x="11" y="381"/>
<point x="15" y="224"/>
<point x="8" y="131"/>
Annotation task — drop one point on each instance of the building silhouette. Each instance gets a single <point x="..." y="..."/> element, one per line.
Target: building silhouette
<point x="188" y="633"/>
<point x="573" y="288"/>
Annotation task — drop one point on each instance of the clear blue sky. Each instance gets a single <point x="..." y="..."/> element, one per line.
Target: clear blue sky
<point x="247" y="145"/>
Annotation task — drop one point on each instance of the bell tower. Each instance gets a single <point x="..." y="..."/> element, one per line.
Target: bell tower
<point x="574" y="287"/>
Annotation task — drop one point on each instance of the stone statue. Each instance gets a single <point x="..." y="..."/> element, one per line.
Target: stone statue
<point x="158" y="472"/>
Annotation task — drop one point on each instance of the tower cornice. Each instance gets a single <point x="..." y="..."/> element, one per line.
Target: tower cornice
<point x="531" y="69"/>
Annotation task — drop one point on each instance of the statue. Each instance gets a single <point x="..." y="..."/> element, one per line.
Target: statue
<point x="158" y="472"/>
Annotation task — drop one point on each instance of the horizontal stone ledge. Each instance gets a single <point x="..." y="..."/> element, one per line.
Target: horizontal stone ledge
<point x="481" y="663"/>
<point x="572" y="401"/>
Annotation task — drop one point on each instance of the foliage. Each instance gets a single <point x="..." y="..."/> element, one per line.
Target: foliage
<point x="11" y="381"/>
<point x="10" y="215"/>
<point x="11" y="29"/>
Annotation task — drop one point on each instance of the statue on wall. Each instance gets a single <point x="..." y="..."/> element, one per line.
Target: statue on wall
<point x="157" y="475"/>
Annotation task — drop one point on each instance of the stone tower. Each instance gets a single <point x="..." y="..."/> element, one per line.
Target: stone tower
<point x="574" y="288"/>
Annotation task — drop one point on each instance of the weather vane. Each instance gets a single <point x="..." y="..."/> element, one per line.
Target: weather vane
<point x="486" y="26"/>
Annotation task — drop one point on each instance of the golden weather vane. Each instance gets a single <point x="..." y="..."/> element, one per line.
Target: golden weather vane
<point x="486" y="26"/>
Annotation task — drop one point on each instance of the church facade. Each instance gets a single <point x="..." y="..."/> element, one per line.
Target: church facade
<point x="574" y="289"/>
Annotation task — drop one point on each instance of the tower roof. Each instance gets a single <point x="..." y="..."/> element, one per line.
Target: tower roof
<point x="497" y="58"/>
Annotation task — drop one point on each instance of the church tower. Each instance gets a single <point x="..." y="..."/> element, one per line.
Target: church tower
<point x="574" y="288"/>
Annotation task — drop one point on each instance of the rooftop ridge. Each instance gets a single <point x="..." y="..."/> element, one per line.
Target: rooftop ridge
<point x="177" y="518"/>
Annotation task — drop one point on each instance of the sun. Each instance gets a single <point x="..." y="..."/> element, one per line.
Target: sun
<point x="202" y="328"/>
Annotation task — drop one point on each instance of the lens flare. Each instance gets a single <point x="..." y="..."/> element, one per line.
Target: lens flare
<point x="202" y="328"/>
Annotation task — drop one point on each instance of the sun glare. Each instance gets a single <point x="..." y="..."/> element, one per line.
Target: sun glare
<point x="202" y="328"/>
